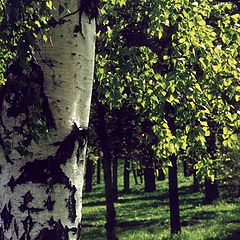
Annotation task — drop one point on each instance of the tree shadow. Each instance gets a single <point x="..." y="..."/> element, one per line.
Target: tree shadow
<point x="234" y="236"/>
<point x="139" y="223"/>
<point x="94" y="204"/>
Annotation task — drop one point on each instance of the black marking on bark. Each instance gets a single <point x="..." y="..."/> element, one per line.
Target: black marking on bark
<point x="7" y="216"/>
<point x="55" y="231"/>
<point x="79" y="228"/>
<point x="0" y="169"/>
<point x="27" y="226"/>
<point x="11" y="183"/>
<point x="16" y="228"/>
<point x="3" y="145"/>
<point x="45" y="171"/>
<point x="1" y="234"/>
<point x="49" y="203"/>
<point x="71" y="205"/>
<point x="66" y="147"/>
<point x="27" y="198"/>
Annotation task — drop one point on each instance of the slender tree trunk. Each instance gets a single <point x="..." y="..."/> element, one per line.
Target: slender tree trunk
<point x="186" y="169"/>
<point x="117" y="152"/>
<point x="211" y="188"/>
<point x="115" y="177"/>
<point x="211" y="191"/>
<point x="89" y="175"/>
<point x="175" y="223"/>
<point x="149" y="173"/>
<point x="99" y="171"/>
<point x="196" y="185"/>
<point x="40" y="197"/>
<point x="104" y="143"/>
<point x="126" y="176"/>
<point x="174" y="197"/>
<point x="134" y="175"/>
<point x="161" y="174"/>
<point x="140" y="174"/>
<point x="149" y="179"/>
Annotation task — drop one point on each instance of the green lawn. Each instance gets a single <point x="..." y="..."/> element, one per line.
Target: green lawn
<point x="145" y="216"/>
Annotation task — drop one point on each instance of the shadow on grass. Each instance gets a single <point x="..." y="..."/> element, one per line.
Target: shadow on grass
<point x="234" y="236"/>
<point x="139" y="223"/>
<point x="94" y="204"/>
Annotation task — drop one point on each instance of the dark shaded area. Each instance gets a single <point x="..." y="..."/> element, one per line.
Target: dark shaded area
<point x="6" y="216"/>
<point x="105" y="147"/>
<point x="16" y="228"/>
<point x="139" y="223"/>
<point x="45" y="171"/>
<point x="71" y="205"/>
<point x="234" y="236"/>
<point x="27" y="198"/>
<point x="49" y="203"/>
<point x="56" y="231"/>
<point x="1" y="234"/>
<point x="89" y="175"/>
<point x="27" y="226"/>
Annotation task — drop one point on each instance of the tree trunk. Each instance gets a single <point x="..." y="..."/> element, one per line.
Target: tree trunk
<point x="140" y="174"/>
<point x="99" y="171"/>
<point x="115" y="177"/>
<point x="174" y="197"/>
<point x="211" y="188"/>
<point x="173" y="176"/>
<point x="40" y="197"/>
<point x="186" y="168"/>
<point x="89" y="175"/>
<point x="196" y="185"/>
<point x="149" y="173"/>
<point x="149" y="179"/>
<point x="126" y="176"/>
<point x="134" y="175"/>
<point x="104" y="144"/>
<point x="161" y="175"/>
<point x="211" y="191"/>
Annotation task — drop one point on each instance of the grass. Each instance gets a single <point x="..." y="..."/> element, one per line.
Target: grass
<point x="145" y="216"/>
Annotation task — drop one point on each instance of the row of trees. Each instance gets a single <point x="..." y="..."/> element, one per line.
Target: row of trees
<point x="170" y="71"/>
<point x="173" y="66"/>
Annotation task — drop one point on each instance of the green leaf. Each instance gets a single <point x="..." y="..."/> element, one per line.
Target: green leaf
<point x="49" y="4"/>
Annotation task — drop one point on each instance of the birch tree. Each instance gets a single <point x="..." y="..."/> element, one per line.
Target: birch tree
<point x="47" y="92"/>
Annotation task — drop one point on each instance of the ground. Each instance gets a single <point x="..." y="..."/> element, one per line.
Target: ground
<point x="145" y="216"/>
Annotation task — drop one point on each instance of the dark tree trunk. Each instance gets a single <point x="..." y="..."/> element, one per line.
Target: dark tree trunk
<point x="174" y="197"/>
<point x="140" y="174"/>
<point x="211" y="191"/>
<point x="135" y="175"/>
<point x="211" y="188"/>
<point x="149" y="179"/>
<point x="161" y="175"/>
<point x="115" y="178"/>
<point x="99" y="171"/>
<point x="149" y="173"/>
<point x="196" y="185"/>
<point x="104" y="144"/>
<point x="126" y="175"/>
<point x="89" y="175"/>
<point x="186" y="169"/>
<point x="117" y="151"/>
<point x="173" y="176"/>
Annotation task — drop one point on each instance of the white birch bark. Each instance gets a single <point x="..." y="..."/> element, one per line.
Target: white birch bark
<point x="41" y="197"/>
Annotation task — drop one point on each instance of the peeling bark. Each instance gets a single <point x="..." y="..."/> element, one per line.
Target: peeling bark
<point x="40" y="195"/>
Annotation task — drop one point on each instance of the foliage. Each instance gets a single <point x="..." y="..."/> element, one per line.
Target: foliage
<point x="185" y="54"/>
